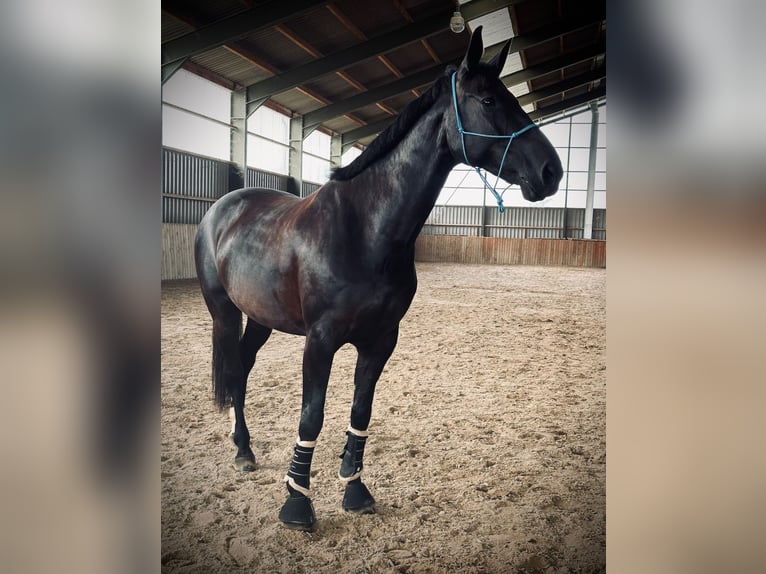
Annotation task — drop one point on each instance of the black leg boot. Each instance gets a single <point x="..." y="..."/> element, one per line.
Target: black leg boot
<point x="356" y="498"/>
<point x="298" y="512"/>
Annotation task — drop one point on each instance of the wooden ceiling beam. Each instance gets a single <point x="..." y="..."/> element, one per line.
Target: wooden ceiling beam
<point x="356" y="31"/>
<point x="350" y="137"/>
<point x="368" y="49"/>
<point x="565" y="105"/>
<point x="234" y="28"/>
<point x="313" y="52"/>
<point x="245" y="52"/>
<point x="563" y="86"/>
<point x="424" y="42"/>
<point x="427" y="76"/>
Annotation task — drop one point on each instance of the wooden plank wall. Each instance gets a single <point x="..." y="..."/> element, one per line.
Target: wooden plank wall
<point x="178" y="251"/>
<point x="510" y="251"/>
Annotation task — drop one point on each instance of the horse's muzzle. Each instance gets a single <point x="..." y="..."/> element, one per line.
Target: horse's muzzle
<point x="542" y="184"/>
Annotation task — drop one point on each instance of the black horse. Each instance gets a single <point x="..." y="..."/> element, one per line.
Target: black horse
<point x="338" y="266"/>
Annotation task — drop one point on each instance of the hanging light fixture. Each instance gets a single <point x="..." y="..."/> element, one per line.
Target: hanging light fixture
<point x="457" y="23"/>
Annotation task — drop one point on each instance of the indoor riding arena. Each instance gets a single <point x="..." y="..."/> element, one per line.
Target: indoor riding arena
<point x="486" y="449"/>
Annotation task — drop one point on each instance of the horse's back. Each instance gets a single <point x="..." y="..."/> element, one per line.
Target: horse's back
<point x="242" y="201"/>
<point x="240" y="210"/>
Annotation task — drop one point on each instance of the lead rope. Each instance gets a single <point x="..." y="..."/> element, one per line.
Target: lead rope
<point x="463" y="133"/>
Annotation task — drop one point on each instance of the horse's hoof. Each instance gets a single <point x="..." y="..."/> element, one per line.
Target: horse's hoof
<point x="357" y="498"/>
<point x="245" y="463"/>
<point x="298" y="513"/>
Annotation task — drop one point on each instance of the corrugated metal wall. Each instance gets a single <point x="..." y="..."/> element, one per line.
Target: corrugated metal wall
<point x="454" y="220"/>
<point x="192" y="183"/>
<point x="193" y="175"/>
<point x="514" y="222"/>
<point x="257" y="178"/>
<point x="309" y="188"/>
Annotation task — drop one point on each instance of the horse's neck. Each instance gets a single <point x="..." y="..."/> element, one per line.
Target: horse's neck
<point x="401" y="188"/>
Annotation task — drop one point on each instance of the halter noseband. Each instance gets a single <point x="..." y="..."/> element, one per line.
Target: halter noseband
<point x="463" y="133"/>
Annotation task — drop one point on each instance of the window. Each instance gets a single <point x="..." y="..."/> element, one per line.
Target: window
<point x="316" y="157"/>
<point x="268" y="141"/>
<point x="195" y="115"/>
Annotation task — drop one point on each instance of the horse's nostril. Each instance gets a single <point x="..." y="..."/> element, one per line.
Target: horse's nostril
<point x="550" y="175"/>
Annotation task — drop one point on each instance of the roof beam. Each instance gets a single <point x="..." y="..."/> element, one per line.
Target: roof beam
<point x="352" y="136"/>
<point x="317" y="117"/>
<point x="234" y="27"/>
<point x="601" y="102"/>
<point x="307" y="47"/>
<point x="356" y="31"/>
<point x="379" y="45"/>
<point x="561" y="87"/>
<point x="567" y="104"/>
<point x="424" y="42"/>
<point x="552" y="65"/>
<point x="549" y="31"/>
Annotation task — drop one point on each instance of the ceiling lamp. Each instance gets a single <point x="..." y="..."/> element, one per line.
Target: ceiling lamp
<point x="456" y="23"/>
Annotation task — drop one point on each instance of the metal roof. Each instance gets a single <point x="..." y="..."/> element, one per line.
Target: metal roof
<point x="350" y="66"/>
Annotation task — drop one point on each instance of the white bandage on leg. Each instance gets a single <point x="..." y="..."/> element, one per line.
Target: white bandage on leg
<point x="356" y="432"/>
<point x="233" y="419"/>
<point x="305" y="443"/>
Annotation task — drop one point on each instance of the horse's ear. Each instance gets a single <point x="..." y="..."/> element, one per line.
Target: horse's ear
<point x="499" y="60"/>
<point x="475" y="50"/>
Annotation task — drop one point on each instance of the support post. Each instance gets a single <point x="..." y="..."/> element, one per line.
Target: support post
<point x="295" y="166"/>
<point x="336" y="150"/>
<point x="565" y="231"/>
<point x="238" y="141"/>
<point x="484" y="212"/>
<point x="588" y="230"/>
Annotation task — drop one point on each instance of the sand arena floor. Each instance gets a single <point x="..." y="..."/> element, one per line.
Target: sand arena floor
<point x="487" y="450"/>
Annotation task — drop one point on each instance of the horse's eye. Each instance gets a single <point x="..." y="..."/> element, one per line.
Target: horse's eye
<point x="488" y="101"/>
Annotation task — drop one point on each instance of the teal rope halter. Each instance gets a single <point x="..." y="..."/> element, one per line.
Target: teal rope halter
<point x="463" y="133"/>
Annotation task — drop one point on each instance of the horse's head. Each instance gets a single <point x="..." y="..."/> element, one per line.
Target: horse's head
<point x="481" y="104"/>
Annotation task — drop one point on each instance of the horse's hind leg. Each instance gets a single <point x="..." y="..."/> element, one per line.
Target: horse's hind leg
<point x="252" y="340"/>
<point x="369" y="365"/>
<point x="229" y="374"/>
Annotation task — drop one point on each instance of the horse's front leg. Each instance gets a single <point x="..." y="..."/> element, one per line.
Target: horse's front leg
<point x="369" y="365"/>
<point x="297" y="511"/>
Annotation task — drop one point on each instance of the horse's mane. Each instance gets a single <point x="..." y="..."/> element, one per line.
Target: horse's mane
<point x="393" y="134"/>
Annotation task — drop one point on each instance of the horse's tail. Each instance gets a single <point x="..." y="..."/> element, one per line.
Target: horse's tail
<point x="227" y="319"/>
<point x="222" y="391"/>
